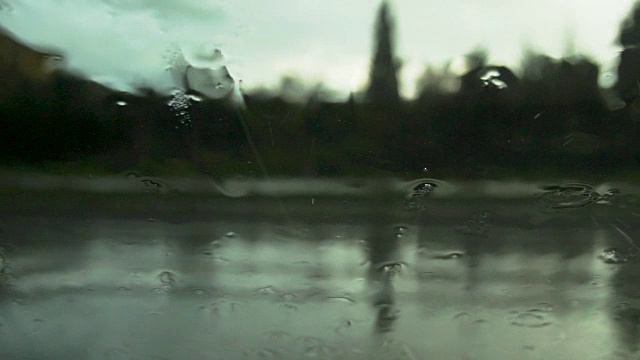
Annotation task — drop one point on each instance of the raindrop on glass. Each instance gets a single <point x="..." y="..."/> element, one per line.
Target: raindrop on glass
<point x="152" y="185"/>
<point x="199" y="292"/>
<point x="221" y="307"/>
<point x="194" y="97"/>
<point x="261" y="354"/>
<point x="449" y="256"/>
<point x="531" y="319"/>
<point x="400" y="229"/>
<point x="462" y="317"/>
<point x="267" y="290"/>
<point x="342" y="299"/>
<point x="213" y="83"/>
<point x="423" y="189"/>
<point x="569" y="196"/>
<point x="180" y="105"/>
<point x="614" y="256"/>
<point x="167" y="277"/>
<point x="546" y="307"/>
<point x="391" y="267"/>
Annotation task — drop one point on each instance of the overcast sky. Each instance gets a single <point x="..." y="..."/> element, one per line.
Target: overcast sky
<point x="126" y="43"/>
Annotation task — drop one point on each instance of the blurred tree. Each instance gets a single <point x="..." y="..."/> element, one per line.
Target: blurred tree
<point x="436" y="82"/>
<point x="564" y="92"/>
<point x="383" y="80"/>
<point x="627" y="86"/>
<point x="487" y="96"/>
<point x="630" y="31"/>
<point x="477" y="58"/>
<point x="293" y="89"/>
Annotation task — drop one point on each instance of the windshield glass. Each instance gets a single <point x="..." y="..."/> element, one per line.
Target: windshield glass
<point x="319" y="179"/>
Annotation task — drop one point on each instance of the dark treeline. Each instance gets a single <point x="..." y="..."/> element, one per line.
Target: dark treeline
<point x="551" y="118"/>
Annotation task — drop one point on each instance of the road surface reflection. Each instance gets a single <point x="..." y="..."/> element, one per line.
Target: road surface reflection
<point x="358" y="280"/>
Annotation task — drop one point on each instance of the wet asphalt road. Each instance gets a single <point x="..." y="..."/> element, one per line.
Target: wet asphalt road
<point x="149" y="276"/>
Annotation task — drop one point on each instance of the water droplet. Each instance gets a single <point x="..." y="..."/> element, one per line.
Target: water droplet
<point x="261" y="354"/>
<point x="289" y="307"/>
<point x="152" y="185"/>
<point x="221" y="307"/>
<point x="546" y="307"/>
<point x="391" y="267"/>
<point x="615" y="256"/>
<point x="230" y="234"/>
<point x="569" y="196"/>
<point x="343" y="326"/>
<point x="160" y="290"/>
<point x="400" y="230"/>
<point x="180" y="104"/>
<point x="449" y="256"/>
<point x="423" y="189"/>
<point x="194" y="97"/>
<point x="199" y="292"/>
<point x="289" y="297"/>
<point x="213" y="82"/>
<point x="267" y="290"/>
<point x="462" y="317"/>
<point x="167" y="278"/>
<point x="613" y="192"/>
<point x="342" y="299"/>
<point x="121" y="103"/>
<point x="531" y="319"/>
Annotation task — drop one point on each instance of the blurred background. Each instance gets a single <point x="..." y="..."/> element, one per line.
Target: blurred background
<point x="397" y="88"/>
<point x="319" y="180"/>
